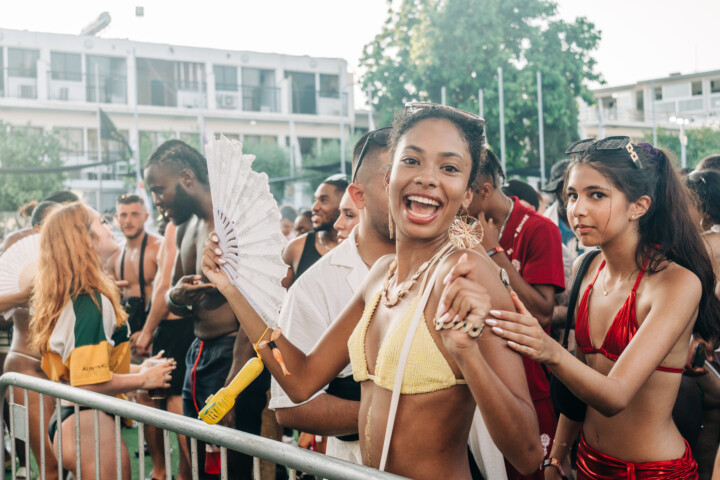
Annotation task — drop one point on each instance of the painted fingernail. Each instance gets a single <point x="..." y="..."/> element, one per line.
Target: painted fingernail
<point x="221" y="261"/>
<point x="495" y="313"/>
<point x="215" y="238"/>
<point x="447" y="278"/>
<point x="513" y="344"/>
<point x="463" y="257"/>
<point x="498" y="330"/>
<point x="456" y="318"/>
<point x="491" y="322"/>
<point x="218" y="251"/>
<point x="444" y="318"/>
<point x="441" y="309"/>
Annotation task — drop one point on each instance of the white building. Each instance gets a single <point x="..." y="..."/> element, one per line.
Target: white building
<point x="153" y="92"/>
<point x="693" y="100"/>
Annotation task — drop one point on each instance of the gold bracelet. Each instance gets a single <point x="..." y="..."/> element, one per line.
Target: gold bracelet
<point x="564" y="445"/>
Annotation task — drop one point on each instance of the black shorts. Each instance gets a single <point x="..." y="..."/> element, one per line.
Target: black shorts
<point x="136" y="311"/>
<point x="175" y="337"/>
<point x="65" y="412"/>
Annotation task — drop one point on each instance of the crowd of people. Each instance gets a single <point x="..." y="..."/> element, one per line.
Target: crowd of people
<point x="440" y="321"/>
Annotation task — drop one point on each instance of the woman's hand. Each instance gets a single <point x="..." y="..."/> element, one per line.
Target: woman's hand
<point x="523" y="332"/>
<point x="157" y="375"/>
<point x="463" y="306"/>
<point x="211" y="262"/>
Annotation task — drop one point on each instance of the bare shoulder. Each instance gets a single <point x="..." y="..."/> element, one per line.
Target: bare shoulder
<point x="674" y="281"/>
<point x="154" y="243"/>
<point x="484" y="271"/>
<point x="294" y="249"/>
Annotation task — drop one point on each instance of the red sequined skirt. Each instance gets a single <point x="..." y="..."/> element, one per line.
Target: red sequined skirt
<point x="594" y="465"/>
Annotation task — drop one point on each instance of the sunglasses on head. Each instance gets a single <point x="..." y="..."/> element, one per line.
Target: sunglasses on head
<point x="379" y="137"/>
<point x="696" y="177"/>
<point x="413" y="107"/>
<point x="607" y="143"/>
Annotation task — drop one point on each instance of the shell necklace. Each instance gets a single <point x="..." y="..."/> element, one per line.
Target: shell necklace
<point x="391" y="301"/>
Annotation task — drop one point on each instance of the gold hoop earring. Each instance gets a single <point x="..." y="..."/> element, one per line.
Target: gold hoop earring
<point x="466" y="232"/>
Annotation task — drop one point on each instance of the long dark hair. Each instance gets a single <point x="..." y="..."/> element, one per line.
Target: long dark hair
<point x="667" y="232"/>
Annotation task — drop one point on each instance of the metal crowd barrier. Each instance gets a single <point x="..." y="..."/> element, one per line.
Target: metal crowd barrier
<point x="258" y="447"/>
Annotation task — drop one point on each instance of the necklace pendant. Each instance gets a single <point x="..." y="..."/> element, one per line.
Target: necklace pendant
<point x="391" y="302"/>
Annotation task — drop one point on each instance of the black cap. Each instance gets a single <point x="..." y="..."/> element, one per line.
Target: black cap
<point x="557" y="174"/>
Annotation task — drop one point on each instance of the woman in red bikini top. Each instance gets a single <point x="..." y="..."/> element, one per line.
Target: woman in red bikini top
<point x="650" y="288"/>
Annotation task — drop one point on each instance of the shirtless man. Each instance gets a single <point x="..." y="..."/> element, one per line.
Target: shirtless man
<point x="23" y="359"/>
<point x="134" y="267"/>
<point x="177" y="176"/>
<point x="300" y="253"/>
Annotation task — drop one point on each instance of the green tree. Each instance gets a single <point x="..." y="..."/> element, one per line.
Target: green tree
<point x="274" y="161"/>
<point x="459" y="44"/>
<point x="701" y="142"/>
<point x="28" y="147"/>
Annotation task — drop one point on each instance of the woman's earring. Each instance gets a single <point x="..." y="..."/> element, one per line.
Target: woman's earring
<point x="466" y="232"/>
<point x="391" y="224"/>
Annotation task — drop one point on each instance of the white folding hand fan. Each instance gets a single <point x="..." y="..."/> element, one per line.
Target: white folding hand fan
<point x="18" y="264"/>
<point x="247" y="223"/>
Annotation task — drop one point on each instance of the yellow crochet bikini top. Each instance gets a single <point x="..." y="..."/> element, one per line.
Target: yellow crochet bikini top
<point x="426" y="369"/>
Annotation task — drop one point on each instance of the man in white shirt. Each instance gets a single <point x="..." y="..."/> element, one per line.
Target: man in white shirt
<point x="316" y="299"/>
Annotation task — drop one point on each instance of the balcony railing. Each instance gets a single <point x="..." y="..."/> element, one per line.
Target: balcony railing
<point x="248" y="98"/>
<point x="113" y="89"/>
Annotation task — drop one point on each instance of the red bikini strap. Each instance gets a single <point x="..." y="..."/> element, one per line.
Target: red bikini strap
<point x="596" y="274"/>
<point x="640" y="275"/>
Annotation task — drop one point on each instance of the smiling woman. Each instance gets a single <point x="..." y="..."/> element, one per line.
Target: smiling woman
<point x="435" y="299"/>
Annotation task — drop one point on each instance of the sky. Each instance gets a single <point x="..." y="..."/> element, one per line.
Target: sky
<point x="641" y="39"/>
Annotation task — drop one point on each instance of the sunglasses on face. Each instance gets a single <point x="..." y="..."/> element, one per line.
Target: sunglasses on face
<point x="607" y="143"/>
<point x="414" y="107"/>
<point x="379" y="137"/>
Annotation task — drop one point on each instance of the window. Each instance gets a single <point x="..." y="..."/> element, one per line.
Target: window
<point x="2" y="77"/>
<point x="259" y="90"/>
<point x="106" y="76"/>
<point x="226" y="78"/>
<point x="259" y="140"/>
<point x="112" y="150"/>
<point x="22" y="63"/>
<point x="149" y="141"/>
<point x="640" y="100"/>
<point x="715" y="85"/>
<point x="302" y="86"/>
<point x="156" y="83"/>
<point x="676" y="90"/>
<point x="71" y="140"/>
<point x="658" y="93"/>
<point x="329" y="145"/>
<point x="697" y="88"/>
<point x="65" y="66"/>
<point x="192" y="139"/>
<point x="308" y="146"/>
<point x="329" y="86"/>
